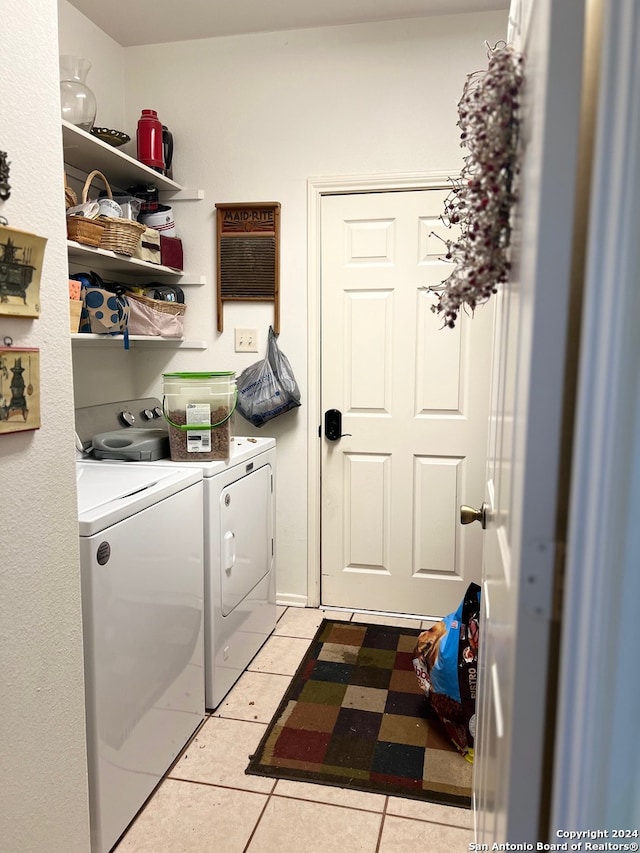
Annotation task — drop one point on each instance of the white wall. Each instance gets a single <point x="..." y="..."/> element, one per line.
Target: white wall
<point x="254" y="117"/>
<point x="42" y="746"/>
<point x="78" y="36"/>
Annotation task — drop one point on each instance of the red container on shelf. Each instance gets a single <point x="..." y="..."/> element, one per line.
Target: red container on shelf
<point x="149" y="140"/>
<point x="171" y="252"/>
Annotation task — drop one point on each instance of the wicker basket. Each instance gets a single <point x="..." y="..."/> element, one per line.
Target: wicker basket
<point x="85" y="231"/>
<point x="121" y="235"/>
<point x="70" y="198"/>
<point x="161" y="305"/>
<point x="118" y="235"/>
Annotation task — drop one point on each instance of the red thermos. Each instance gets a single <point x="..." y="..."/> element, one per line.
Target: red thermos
<point x="149" y="139"/>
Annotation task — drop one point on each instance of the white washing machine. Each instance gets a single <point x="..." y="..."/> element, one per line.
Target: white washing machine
<point x="142" y="581"/>
<point x="239" y="529"/>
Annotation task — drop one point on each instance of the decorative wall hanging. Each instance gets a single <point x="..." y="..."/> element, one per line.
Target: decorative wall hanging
<point x="19" y="388"/>
<point x="482" y="199"/>
<point x="248" y="255"/>
<point x="5" y="186"/>
<point x="21" y="257"/>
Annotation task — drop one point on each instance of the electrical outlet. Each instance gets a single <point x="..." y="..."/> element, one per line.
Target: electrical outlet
<point x="246" y="340"/>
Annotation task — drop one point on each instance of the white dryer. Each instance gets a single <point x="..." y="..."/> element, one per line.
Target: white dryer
<point x="142" y="581"/>
<point x="239" y="529"/>
<point x="239" y="559"/>
<point x="240" y="577"/>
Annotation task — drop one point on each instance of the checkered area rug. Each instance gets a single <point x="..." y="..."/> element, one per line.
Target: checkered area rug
<point x="355" y="717"/>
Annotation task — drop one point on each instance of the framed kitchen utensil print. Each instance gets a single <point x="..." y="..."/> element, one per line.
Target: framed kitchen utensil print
<point x="21" y="258"/>
<point x="19" y="389"/>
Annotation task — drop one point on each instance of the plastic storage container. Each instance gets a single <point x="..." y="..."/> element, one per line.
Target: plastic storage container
<point x="198" y="408"/>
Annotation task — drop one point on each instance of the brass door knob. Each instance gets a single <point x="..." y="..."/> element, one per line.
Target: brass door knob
<point x="468" y="514"/>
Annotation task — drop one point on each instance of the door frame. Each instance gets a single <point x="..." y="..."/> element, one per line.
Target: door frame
<point x="318" y="187"/>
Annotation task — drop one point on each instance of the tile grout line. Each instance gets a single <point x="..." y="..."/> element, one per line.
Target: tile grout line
<point x="260" y="816"/>
<point x="273" y="793"/>
<point x="292" y="636"/>
<point x="203" y="784"/>
<point x="268" y="672"/>
<point x="243" y="720"/>
<point x="324" y="802"/>
<point x="380" y="831"/>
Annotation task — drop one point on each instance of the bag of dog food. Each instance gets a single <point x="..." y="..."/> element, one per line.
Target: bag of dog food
<point x="446" y="665"/>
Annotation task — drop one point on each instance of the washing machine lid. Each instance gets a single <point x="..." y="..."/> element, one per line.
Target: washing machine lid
<point x="111" y="492"/>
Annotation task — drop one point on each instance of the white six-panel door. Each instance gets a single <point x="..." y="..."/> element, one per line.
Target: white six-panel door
<point x="414" y="402"/>
<point x="524" y="536"/>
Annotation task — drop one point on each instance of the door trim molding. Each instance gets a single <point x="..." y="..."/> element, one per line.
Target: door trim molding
<point x="318" y="187"/>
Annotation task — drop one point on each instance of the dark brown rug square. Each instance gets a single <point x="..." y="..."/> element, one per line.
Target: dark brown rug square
<point x="354" y="716"/>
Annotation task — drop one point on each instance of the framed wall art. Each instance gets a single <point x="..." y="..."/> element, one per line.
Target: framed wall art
<point x="19" y="389"/>
<point x="21" y="258"/>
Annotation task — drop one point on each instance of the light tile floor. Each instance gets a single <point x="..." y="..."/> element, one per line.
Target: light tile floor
<point x="207" y="804"/>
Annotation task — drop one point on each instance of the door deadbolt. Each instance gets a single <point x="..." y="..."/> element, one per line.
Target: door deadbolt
<point x="333" y="425"/>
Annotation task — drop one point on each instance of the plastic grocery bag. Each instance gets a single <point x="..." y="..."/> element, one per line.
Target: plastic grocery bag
<point x="267" y="388"/>
<point x="446" y="665"/>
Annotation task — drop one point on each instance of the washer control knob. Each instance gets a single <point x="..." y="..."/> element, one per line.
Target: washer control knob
<point x="148" y="415"/>
<point x="157" y="412"/>
<point x="127" y="418"/>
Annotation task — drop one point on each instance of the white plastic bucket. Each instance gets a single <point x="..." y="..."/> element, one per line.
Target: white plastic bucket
<point x="198" y="409"/>
<point x="160" y="219"/>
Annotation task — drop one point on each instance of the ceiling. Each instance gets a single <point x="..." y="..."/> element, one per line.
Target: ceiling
<point x="135" y="22"/>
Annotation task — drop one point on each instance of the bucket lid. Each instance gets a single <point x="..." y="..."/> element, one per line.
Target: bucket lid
<point x="225" y="373"/>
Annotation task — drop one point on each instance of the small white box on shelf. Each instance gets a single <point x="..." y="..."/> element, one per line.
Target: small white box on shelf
<point x="149" y="247"/>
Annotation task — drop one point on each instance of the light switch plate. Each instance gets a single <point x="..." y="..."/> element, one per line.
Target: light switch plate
<point x="246" y="340"/>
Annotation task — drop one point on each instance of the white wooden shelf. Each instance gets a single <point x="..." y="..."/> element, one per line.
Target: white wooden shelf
<point x="86" y="152"/>
<point x="102" y="259"/>
<point x="81" y="339"/>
